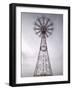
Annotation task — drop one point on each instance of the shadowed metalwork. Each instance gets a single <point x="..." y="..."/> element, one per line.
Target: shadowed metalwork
<point x="43" y="27"/>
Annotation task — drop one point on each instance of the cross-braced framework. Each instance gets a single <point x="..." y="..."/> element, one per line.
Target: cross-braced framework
<point x="43" y="27"/>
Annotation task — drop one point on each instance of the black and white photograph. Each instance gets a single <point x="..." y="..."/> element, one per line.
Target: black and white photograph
<point x="39" y="44"/>
<point x="42" y="44"/>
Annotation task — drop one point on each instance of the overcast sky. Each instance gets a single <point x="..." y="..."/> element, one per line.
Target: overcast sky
<point x="31" y="43"/>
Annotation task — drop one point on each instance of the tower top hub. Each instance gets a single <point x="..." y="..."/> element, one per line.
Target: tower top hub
<point x="43" y="29"/>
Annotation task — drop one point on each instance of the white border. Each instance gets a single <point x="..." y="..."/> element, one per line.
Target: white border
<point x="64" y="77"/>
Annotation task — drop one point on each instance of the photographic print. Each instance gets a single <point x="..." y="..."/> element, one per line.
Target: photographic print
<point x="39" y="44"/>
<point x="42" y="44"/>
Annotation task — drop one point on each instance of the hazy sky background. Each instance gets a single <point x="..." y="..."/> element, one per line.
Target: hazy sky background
<point x="31" y="43"/>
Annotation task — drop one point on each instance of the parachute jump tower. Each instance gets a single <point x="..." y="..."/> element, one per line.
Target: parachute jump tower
<point x="43" y="27"/>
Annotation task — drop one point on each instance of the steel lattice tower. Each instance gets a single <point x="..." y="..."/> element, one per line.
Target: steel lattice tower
<point x="43" y="27"/>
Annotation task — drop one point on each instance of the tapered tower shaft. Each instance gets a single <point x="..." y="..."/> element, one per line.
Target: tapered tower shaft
<point x="43" y="66"/>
